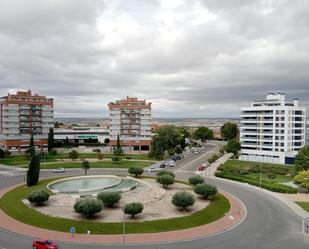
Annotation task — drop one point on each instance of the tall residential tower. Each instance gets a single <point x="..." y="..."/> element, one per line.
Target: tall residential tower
<point x="22" y="115"/>
<point x="272" y="130"/>
<point x="131" y="119"/>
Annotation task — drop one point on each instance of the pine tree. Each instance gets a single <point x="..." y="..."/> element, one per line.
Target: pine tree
<point x="118" y="149"/>
<point x="51" y="139"/>
<point x="33" y="172"/>
<point x="31" y="146"/>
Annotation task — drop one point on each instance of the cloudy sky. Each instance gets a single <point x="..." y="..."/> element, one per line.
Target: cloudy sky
<point x="191" y="58"/>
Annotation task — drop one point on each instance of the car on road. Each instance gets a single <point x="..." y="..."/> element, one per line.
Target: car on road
<point x="196" y="152"/>
<point x="202" y="167"/>
<point x="44" y="244"/>
<point x="59" y="170"/>
<point x="170" y="163"/>
<point x="177" y="157"/>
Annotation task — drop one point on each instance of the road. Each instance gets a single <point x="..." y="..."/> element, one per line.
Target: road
<point x="269" y="223"/>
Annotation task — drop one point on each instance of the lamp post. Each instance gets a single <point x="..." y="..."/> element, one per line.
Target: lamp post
<point x="124" y="231"/>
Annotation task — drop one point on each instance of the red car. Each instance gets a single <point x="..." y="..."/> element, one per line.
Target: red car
<point x="202" y="167"/>
<point x="44" y="244"/>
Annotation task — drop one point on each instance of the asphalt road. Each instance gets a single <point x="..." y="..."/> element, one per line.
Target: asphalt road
<point x="269" y="223"/>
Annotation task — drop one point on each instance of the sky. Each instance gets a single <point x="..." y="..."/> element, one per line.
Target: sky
<point x="190" y="58"/>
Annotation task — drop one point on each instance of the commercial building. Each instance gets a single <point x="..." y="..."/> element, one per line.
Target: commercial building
<point x="272" y="130"/>
<point x="22" y="115"/>
<point x="81" y="135"/>
<point x="130" y="118"/>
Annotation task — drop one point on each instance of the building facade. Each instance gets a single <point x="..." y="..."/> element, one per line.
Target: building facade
<point x="22" y="115"/>
<point x="130" y="118"/>
<point x="272" y="130"/>
<point x="81" y="135"/>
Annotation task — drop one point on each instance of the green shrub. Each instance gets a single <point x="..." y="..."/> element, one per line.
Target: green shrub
<point x="194" y="180"/>
<point x="88" y="207"/>
<point x="116" y="159"/>
<point x="38" y="197"/>
<point x="133" y="208"/>
<point x="183" y="200"/>
<point x="53" y="152"/>
<point x="165" y="180"/>
<point x="205" y="190"/>
<point x="275" y="187"/>
<point x="109" y="199"/>
<point x="165" y="172"/>
<point x="97" y="150"/>
<point x="73" y="154"/>
<point x="135" y="171"/>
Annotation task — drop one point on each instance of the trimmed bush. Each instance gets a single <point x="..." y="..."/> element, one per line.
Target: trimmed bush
<point x="194" y="180"/>
<point x="88" y="207"/>
<point x="116" y="159"/>
<point x="135" y="171"/>
<point x="183" y="200"/>
<point x="205" y="190"/>
<point x="165" y="172"/>
<point x="73" y="154"/>
<point x="38" y="197"/>
<point x="109" y="199"/>
<point x="133" y="208"/>
<point x="165" y="180"/>
<point x="275" y="187"/>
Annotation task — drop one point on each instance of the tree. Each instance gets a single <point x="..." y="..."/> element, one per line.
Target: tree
<point x="165" y="172"/>
<point x="73" y="154"/>
<point x="51" y="140"/>
<point x="38" y="197"/>
<point x="133" y="208"/>
<point x="302" y="179"/>
<point x="203" y="133"/>
<point x="233" y="146"/>
<point x="229" y="131"/>
<point x="194" y="180"/>
<point x="118" y="150"/>
<point x="33" y="172"/>
<point x="178" y="149"/>
<point x="166" y="138"/>
<point x="88" y="207"/>
<point x="109" y="199"/>
<point x="2" y="154"/>
<point x="183" y="200"/>
<point x="66" y="143"/>
<point x="165" y="180"/>
<point x="136" y="171"/>
<point x="205" y="190"/>
<point x="106" y="140"/>
<point x="85" y="166"/>
<point x="31" y="146"/>
<point x="100" y="156"/>
<point x="302" y="159"/>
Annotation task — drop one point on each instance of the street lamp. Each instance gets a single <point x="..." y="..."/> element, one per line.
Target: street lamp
<point x="260" y="175"/>
<point x="124" y="231"/>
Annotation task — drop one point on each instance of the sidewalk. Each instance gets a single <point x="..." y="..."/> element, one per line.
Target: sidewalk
<point x="233" y="218"/>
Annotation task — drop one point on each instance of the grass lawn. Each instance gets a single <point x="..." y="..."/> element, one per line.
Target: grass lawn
<point x="14" y="160"/>
<point x="304" y="205"/>
<point x="249" y="172"/>
<point x="103" y="164"/>
<point x="12" y="205"/>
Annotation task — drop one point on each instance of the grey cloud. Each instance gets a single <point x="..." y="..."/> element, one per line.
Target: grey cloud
<point x="195" y="58"/>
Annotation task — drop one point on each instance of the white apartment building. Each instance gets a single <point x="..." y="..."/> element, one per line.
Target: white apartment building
<point x="272" y="130"/>
<point x="131" y="119"/>
<point x="22" y="115"/>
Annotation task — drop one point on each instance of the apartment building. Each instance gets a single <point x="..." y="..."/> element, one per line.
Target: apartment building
<point x="272" y="130"/>
<point x="131" y="119"/>
<point x="22" y="115"/>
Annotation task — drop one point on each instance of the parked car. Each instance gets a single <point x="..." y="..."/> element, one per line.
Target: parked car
<point x="196" y="152"/>
<point x="171" y="163"/>
<point x="44" y="244"/>
<point x="153" y="169"/>
<point x="177" y="157"/>
<point x="59" y="170"/>
<point x="162" y="165"/>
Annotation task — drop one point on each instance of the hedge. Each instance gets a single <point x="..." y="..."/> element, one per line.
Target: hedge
<point x="275" y="187"/>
